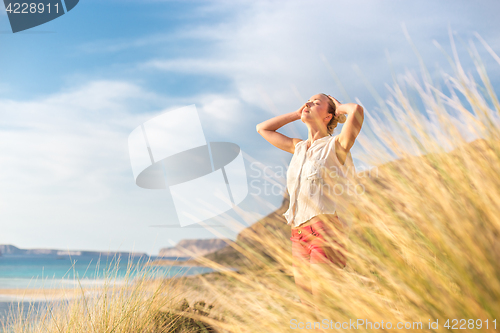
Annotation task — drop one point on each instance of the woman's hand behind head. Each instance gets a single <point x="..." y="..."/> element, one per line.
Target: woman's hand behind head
<point x="299" y="111"/>
<point x="337" y="103"/>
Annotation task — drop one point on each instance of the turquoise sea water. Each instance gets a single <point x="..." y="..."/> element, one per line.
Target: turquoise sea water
<point x="51" y="271"/>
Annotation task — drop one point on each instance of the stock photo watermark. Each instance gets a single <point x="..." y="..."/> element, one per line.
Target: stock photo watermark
<point x="170" y="152"/>
<point x="265" y="180"/>
<point x="24" y="15"/>
<point x="450" y="324"/>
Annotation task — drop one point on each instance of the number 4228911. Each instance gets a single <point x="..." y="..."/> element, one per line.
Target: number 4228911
<point x="31" y="8"/>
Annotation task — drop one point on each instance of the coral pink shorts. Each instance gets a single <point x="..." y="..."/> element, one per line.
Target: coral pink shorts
<point x="314" y="244"/>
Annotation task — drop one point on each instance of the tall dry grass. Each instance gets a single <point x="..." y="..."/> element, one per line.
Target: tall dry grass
<point x="422" y="248"/>
<point x="137" y="302"/>
<point x="425" y="228"/>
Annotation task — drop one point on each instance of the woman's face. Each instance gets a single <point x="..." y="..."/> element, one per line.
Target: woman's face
<point x="316" y="110"/>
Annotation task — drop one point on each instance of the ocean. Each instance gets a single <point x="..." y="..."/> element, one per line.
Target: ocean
<point x="53" y="272"/>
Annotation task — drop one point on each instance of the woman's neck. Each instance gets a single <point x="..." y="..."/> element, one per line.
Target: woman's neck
<point x="316" y="134"/>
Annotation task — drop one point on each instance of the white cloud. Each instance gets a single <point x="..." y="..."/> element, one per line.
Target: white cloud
<point x="271" y="51"/>
<point x="67" y="141"/>
<point x="68" y="150"/>
<point x="269" y="46"/>
<point x="65" y="160"/>
<point x="78" y="137"/>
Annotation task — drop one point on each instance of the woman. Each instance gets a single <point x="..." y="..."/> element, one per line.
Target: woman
<point x="311" y="213"/>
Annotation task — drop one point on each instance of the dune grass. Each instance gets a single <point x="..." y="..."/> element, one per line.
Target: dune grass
<point x="423" y="245"/>
<point x="137" y="302"/>
<point x="424" y="240"/>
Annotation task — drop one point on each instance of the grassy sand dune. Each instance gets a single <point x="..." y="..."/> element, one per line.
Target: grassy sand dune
<point x="422" y="248"/>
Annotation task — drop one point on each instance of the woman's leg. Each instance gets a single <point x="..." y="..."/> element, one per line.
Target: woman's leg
<point x="303" y="284"/>
<point x="328" y="245"/>
<point x="301" y="257"/>
<point x="327" y="259"/>
<point x="316" y="288"/>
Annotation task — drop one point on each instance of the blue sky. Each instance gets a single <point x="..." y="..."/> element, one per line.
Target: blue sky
<point x="73" y="89"/>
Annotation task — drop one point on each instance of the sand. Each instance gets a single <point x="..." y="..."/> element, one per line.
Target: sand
<point x="8" y="295"/>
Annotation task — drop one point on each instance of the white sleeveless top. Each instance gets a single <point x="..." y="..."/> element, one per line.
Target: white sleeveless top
<point x="312" y="178"/>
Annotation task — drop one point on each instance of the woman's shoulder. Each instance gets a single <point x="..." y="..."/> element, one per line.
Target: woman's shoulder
<point x="296" y="145"/>
<point x="331" y="141"/>
<point x="336" y="150"/>
<point x="297" y="141"/>
<point x="332" y="151"/>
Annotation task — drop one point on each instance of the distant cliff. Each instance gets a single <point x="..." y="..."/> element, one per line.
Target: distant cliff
<point x="10" y="249"/>
<point x="272" y="227"/>
<point x="13" y="250"/>
<point x="199" y="247"/>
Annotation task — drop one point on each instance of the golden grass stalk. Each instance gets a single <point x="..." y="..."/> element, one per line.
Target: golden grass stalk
<point x="424" y="239"/>
<point x="423" y="245"/>
<point x="138" y="302"/>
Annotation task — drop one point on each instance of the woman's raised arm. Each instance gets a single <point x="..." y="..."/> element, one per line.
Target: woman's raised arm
<point x="353" y="124"/>
<point x="268" y="130"/>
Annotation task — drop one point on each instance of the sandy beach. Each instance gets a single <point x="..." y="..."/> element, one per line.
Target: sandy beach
<point x="8" y="295"/>
<point x="165" y="262"/>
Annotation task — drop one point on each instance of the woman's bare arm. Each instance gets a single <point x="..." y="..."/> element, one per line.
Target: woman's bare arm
<point x="268" y="130"/>
<point x="353" y="124"/>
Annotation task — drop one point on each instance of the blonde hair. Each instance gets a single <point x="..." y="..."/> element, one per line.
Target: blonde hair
<point x="341" y="118"/>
